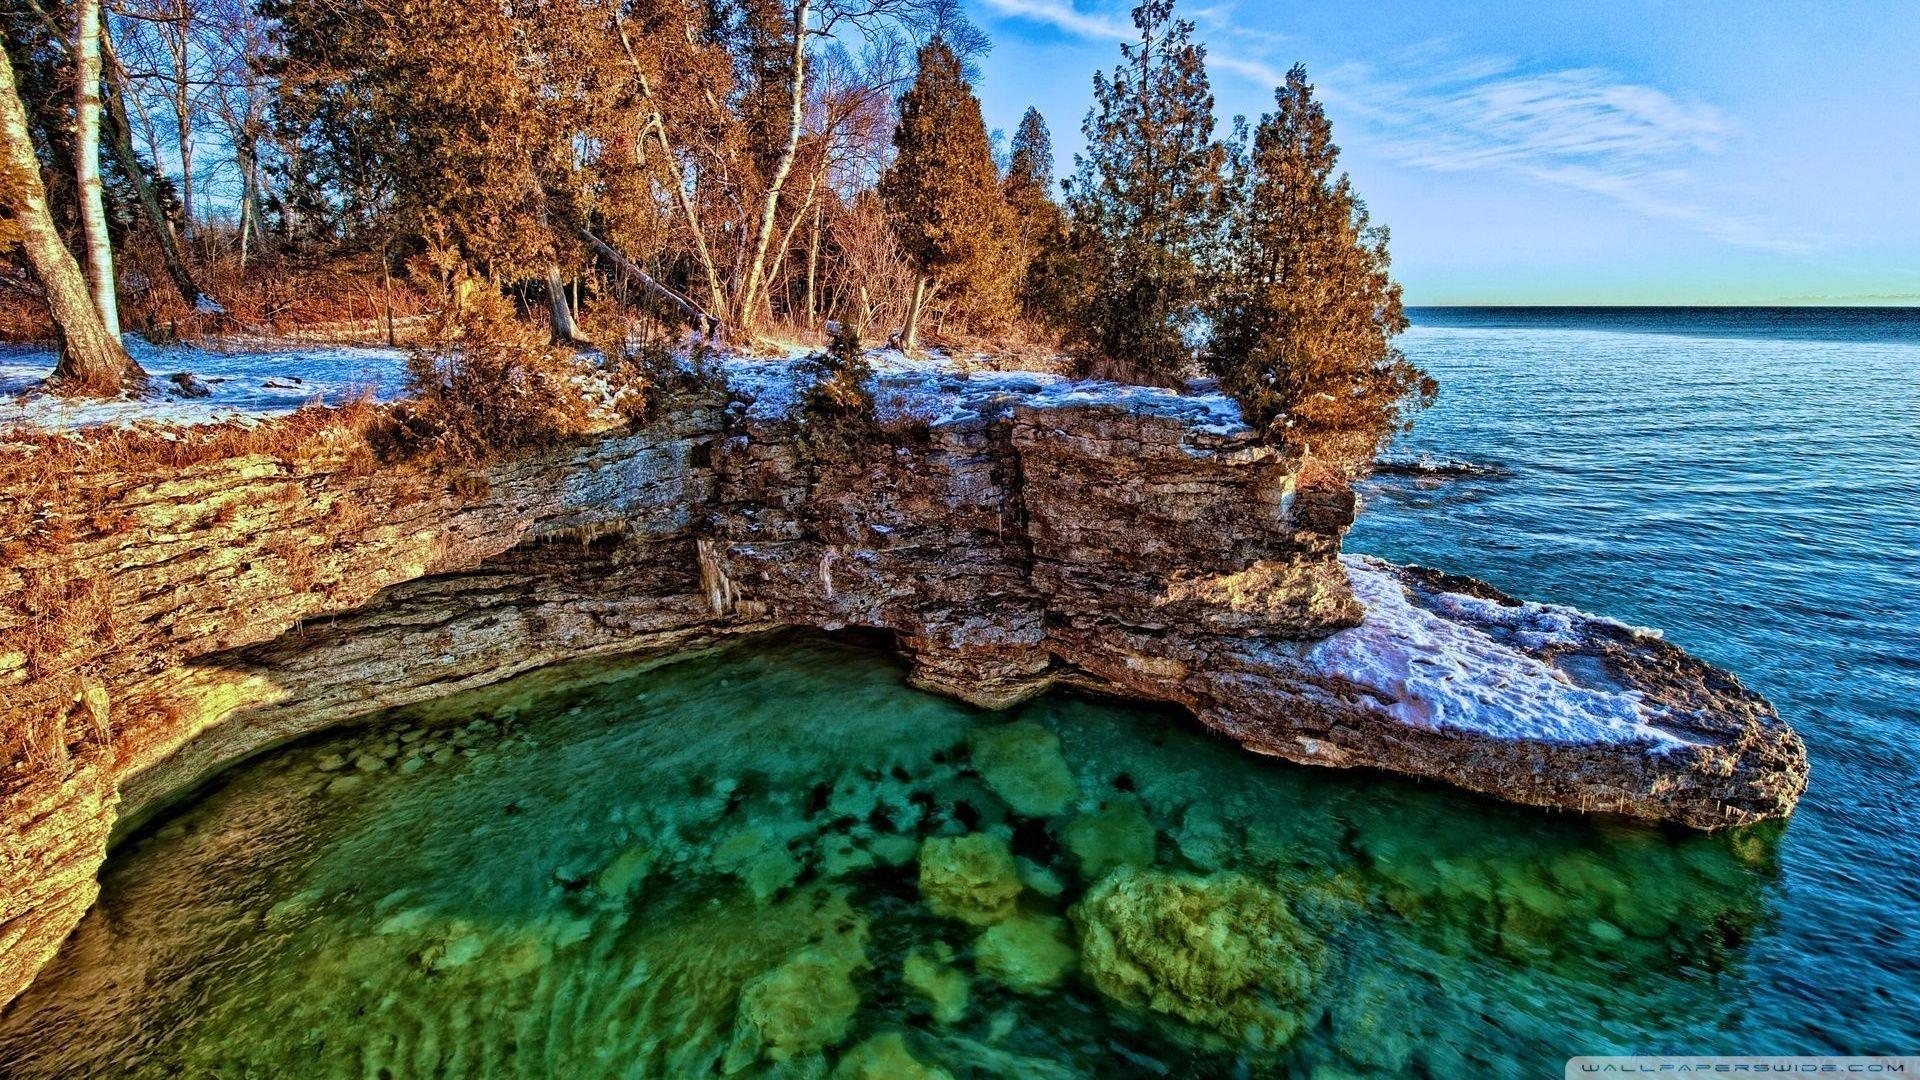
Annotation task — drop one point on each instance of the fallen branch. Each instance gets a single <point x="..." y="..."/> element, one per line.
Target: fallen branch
<point x="707" y="324"/>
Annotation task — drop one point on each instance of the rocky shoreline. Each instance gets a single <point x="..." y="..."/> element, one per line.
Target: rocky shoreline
<point x="1016" y="537"/>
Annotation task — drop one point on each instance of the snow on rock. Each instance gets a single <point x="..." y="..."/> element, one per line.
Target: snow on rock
<point x="1443" y="661"/>
<point x="223" y="385"/>
<point x="941" y="391"/>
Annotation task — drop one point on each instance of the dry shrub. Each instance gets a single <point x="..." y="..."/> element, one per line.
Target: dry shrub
<point x="488" y="384"/>
<point x="297" y="562"/>
<point x="52" y="611"/>
<point x="291" y="294"/>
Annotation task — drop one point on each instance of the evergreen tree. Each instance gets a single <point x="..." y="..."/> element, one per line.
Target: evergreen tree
<point x="943" y="194"/>
<point x="1145" y="199"/>
<point x="1046" y="271"/>
<point x="1304" y="314"/>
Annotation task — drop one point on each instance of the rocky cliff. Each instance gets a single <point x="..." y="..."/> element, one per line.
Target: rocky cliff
<point x="1026" y="539"/>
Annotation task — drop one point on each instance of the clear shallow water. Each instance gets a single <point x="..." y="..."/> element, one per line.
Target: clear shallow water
<point x="782" y="860"/>
<point x="772" y="860"/>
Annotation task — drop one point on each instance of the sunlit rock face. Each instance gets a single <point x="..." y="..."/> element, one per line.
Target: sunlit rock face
<point x="1030" y="536"/>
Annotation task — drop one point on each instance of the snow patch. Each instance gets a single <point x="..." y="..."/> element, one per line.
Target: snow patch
<point x="239" y="385"/>
<point x="941" y="390"/>
<point x="1461" y="665"/>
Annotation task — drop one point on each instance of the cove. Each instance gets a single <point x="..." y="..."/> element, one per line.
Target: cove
<point x="780" y="859"/>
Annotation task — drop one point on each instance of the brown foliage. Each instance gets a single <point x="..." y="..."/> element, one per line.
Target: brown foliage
<point x="488" y="384"/>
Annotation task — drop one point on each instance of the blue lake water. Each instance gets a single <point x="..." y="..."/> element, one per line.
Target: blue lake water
<point x="1748" y="481"/>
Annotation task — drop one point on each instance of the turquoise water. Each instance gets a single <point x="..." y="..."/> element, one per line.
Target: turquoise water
<point x="781" y="860"/>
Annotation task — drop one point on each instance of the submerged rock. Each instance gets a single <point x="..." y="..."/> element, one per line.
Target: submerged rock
<point x="1118" y="834"/>
<point x="930" y="972"/>
<point x="1028" y="953"/>
<point x="618" y="879"/>
<point x="972" y="878"/>
<point x="886" y="1057"/>
<point x="1021" y="762"/>
<point x="1222" y="953"/>
<point x="803" y="1006"/>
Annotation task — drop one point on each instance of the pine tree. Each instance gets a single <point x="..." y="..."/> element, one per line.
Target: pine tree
<point x="943" y="194"/>
<point x="1046" y="271"/>
<point x="1144" y="200"/>
<point x="1304" y="313"/>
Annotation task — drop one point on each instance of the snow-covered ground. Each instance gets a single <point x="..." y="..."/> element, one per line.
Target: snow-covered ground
<point x="260" y="382"/>
<point x="942" y="390"/>
<point x="1464" y="664"/>
<point x="240" y="383"/>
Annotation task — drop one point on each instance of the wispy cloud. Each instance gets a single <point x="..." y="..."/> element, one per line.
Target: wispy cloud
<point x="1585" y="129"/>
<point x="1063" y="16"/>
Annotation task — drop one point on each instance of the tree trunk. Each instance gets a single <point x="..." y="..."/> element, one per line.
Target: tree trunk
<point x="86" y="145"/>
<point x="748" y="309"/>
<point x="176" y="32"/>
<point x="910" y="339"/>
<point x="813" y="266"/>
<point x="119" y="129"/>
<point x="558" y="310"/>
<point x="706" y="323"/>
<point x="92" y="360"/>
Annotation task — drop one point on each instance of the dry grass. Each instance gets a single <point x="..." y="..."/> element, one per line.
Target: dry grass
<point x="330" y="296"/>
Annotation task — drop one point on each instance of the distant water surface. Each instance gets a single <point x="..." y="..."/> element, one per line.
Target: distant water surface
<point x="1747" y="479"/>
<point x="782" y="860"/>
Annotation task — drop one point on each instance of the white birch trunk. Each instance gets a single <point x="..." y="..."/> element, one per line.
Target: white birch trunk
<point x="86" y="153"/>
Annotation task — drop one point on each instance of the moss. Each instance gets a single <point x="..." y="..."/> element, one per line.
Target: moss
<point x="1119" y="834"/>
<point x="1021" y="763"/>
<point x="972" y="878"/>
<point x="1222" y="952"/>
<point x="886" y="1057"/>
<point x="1028" y="953"/>
<point x="930" y="973"/>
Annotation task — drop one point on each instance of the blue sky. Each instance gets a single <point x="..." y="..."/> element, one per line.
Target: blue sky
<point x="1539" y="153"/>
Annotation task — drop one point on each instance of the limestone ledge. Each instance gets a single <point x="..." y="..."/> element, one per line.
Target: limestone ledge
<point x="1041" y="544"/>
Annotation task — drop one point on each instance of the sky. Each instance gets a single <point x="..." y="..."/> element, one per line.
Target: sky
<point x="1618" y="152"/>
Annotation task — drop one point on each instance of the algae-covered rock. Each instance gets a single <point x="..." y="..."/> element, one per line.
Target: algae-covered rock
<point x="618" y="879"/>
<point x="804" y="1005"/>
<point x="1119" y="834"/>
<point x="1028" y="953"/>
<point x="932" y="975"/>
<point x="760" y="859"/>
<point x="1040" y="879"/>
<point x="886" y="1057"/>
<point x="1021" y="763"/>
<point x="1220" y="952"/>
<point x="972" y="878"/>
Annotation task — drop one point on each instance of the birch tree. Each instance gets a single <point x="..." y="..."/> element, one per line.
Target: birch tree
<point x="91" y="358"/>
<point x="86" y="162"/>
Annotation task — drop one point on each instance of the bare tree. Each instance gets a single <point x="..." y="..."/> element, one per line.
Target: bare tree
<point x="92" y="359"/>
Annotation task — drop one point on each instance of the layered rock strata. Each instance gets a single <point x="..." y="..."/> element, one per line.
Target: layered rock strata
<point x="1026" y="541"/>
